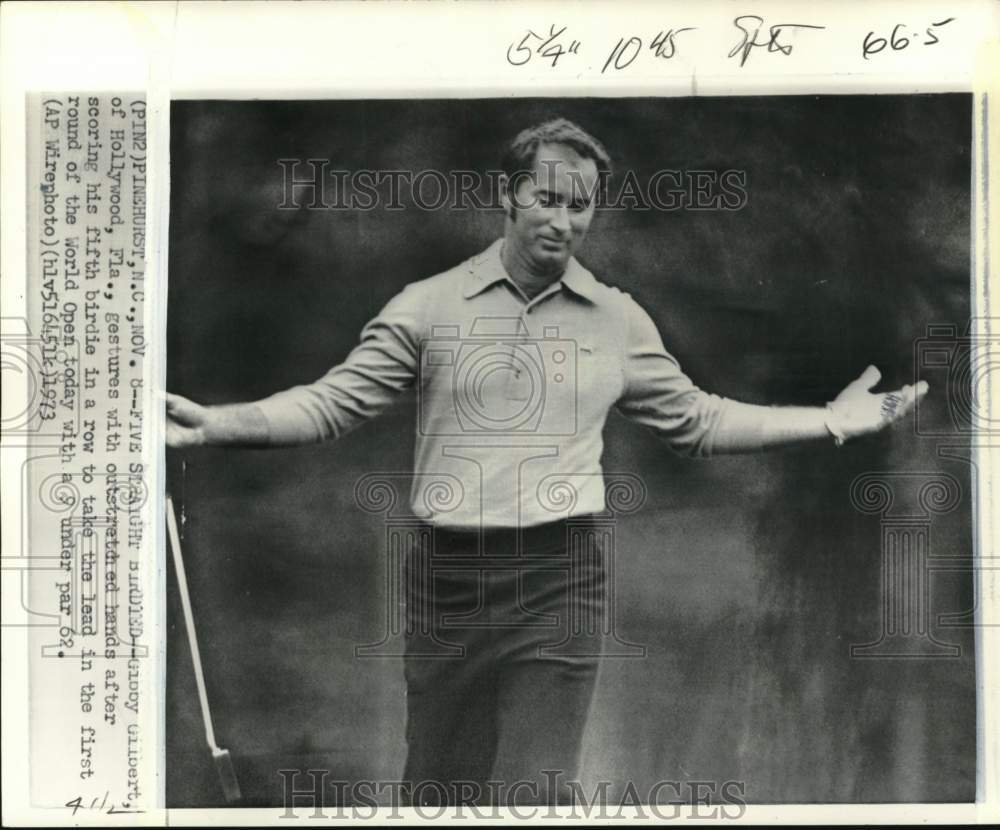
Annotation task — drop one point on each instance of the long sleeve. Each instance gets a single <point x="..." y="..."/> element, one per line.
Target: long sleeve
<point x="657" y="393"/>
<point x="691" y="421"/>
<point x="374" y="374"/>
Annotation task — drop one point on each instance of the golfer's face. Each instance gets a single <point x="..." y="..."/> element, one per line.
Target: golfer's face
<point x="553" y="207"/>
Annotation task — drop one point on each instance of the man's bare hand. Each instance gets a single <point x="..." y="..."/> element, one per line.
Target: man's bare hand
<point x="186" y="422"/>
<point x="858" y="411"/>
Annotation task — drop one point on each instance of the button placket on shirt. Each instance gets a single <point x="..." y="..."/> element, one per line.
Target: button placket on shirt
<point x="516" y="389"/>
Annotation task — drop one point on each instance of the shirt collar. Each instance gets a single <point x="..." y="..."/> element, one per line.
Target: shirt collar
<point x="486" y="270"/>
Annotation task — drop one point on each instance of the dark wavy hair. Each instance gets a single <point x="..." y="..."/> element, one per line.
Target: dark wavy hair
<point x="519" y="157"/>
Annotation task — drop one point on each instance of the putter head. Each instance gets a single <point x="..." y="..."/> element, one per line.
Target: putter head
<point x="227" y="775"/>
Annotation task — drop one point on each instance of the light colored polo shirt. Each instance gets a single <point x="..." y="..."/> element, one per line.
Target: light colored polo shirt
<point x="512" y="393"/>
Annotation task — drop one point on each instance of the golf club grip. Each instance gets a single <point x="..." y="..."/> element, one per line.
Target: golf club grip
<point x="175" y="546"/>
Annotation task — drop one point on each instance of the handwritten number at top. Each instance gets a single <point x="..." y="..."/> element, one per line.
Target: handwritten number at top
<point x="549" y="47"/>
<point x="753" y="35"/>
<point x="897" y="41"/>
<point x="625" y="51"/>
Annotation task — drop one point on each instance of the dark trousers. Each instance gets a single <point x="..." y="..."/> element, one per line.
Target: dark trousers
<point x="502" y="652"/>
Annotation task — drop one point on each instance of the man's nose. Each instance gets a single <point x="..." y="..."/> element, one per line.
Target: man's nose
<point x="560" y="219"/>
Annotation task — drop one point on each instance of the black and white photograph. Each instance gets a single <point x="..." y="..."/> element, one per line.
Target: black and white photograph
<point x="589" y="451"/>
<point x="540" y="413"/>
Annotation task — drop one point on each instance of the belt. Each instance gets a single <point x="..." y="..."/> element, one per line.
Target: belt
<point x="505" y="541"/>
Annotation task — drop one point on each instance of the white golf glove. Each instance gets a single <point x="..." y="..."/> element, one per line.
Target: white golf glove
<point x="858" y="411"/>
